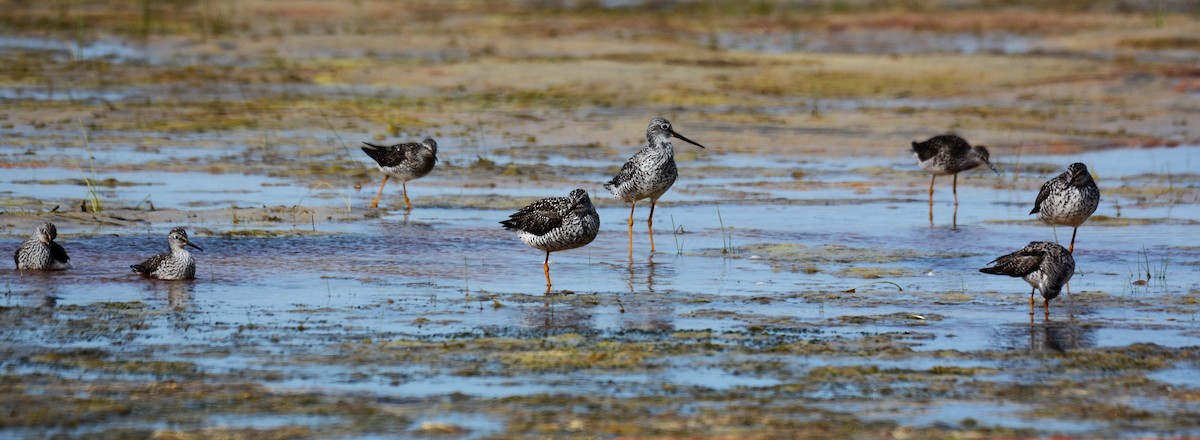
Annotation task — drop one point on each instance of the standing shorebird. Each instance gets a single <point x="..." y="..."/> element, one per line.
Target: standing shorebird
<point x="1068" y="200"/>
<point x="649" y="173"/>
<point x="556" y="224"/>
<point x="949" y="154"/>
<point x="1044" y="265"/>
<point x="40" y="252"/>
<point x="405" y="162"/>
<point x="177" y="264"/>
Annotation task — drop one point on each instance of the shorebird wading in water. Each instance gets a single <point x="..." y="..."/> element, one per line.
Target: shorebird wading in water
<point x="40" y="252"/>
<point x="556" y="224"/>
<point x="649" y="173"/>
<point x="1068" y="200"/>
<point x="405" y="162"/>
<point x="949" y="154"/>
<point x="177" y="264"/>
<point x="1044" y="265"/>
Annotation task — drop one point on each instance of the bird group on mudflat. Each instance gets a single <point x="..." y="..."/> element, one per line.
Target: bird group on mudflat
<point x="562" y="223"/>
<point x="1066" y="200"/>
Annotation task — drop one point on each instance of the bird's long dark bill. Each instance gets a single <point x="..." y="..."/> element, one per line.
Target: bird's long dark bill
<point x="673" y="133"/>
<point x="193" y="245"/>
<point x="989" y="164"/>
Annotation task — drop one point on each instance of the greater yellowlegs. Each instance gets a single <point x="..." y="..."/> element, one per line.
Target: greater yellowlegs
<point x="556" y="224"/>
<point x="407" y="161"/>
<point x="1044" y="265"/>
<point x="949" y="154"/>
<point x="177" y="264"/>
<point x="40" y="252"/>
<point x="1068" y="200"/>
<point x="649" y="173"/>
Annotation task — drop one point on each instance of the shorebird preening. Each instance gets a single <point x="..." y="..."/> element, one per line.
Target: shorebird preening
<point x="1068" y="200"/>
<point x="1044" y="265"/>
<point x="40" y="252"/>
<point x="405" y="162"/>
<point x="176" y="264"/>
<point x="649" y="173"/>
<point x="556" y="224"/>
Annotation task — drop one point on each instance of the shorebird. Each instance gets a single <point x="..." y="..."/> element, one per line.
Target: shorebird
<point x="1068" y="200"/>
<point x="949" y="154"/>
<point x="40" y="252"/>
<point x="177" y="264"/>
<point x="649" y="173"/>
<point x="1044" y="265"/>
<point x="407" y="161"/>
<point x="556" y="224"/>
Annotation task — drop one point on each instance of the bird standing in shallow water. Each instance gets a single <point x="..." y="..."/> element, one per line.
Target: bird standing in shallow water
<point x="406" y="162"/>
<point x="40" y="252"/>
<point x="556" y="224"/>
<point x="949" y="154"/>
<point x="177" y="264"/>
<point x="649" y="173"/>
<point x="1068" y="200"/>
<point x="1044" y="265"/>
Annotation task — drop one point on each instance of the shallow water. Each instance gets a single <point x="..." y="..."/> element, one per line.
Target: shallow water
<point x="776" y="260"/>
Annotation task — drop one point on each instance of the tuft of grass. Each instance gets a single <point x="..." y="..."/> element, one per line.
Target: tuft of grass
<point x="726" y="237"/>
<point x="92" y="194"/>
<point x="676" y="231"/>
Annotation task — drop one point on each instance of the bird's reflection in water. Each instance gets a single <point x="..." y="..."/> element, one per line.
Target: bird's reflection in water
<point x="558" y="312"/>
<point x="1049" y="336"/>
<point x="179" y="295"/>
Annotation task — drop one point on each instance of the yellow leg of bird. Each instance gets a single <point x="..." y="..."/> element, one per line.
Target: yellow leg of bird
<point x="955" y="186"/>
<point x="931" y="180"/>
<point x="650" y="225"/>
<point x="1046" y="307"/>
<point x="631" y="206"/>
<point x="1072" y="248"/>
<point x="546" y="269"/>
<point x="375" y="203"/>
<point x="407" y="204"/>
<point x="1031" y="304"/>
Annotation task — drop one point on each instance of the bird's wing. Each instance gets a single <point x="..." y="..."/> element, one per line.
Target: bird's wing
<point x="58" y="253"/>
<point x="924" y="150"/>
<point x="150" y="265"/>
<point x="1045" y="192"/>
<point x="958" y="146"/>
<point x="1016" y="264"/>
<point x="391" y="155"/>
<point x="538" y="218"/>
<point x="622" y="176"/>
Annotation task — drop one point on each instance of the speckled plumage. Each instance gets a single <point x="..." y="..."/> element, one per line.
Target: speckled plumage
<point x="1046" y="266"/>
<point x="556" y="224"/>
<point x="406" y="161"/>
<point x="177" y="264"/>
<point x="949" y="155"/>
<point x="650" y="172"/>
<point x="40" y="252"/>
<point x="1068" y="200"/>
